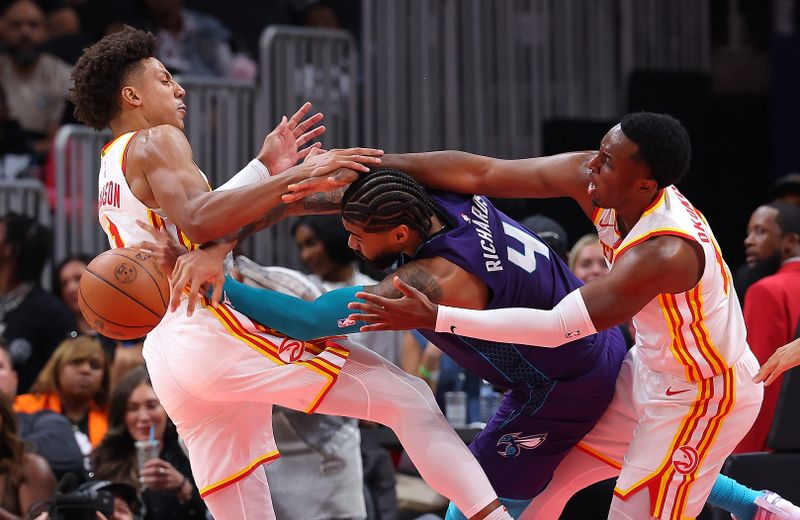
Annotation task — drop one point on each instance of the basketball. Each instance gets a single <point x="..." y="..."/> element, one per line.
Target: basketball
<point x="123" y="293"/>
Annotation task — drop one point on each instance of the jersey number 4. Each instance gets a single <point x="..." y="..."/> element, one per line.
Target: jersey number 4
<point x="530" y="246"/>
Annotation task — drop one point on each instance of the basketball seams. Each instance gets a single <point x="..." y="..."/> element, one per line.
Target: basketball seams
<point x="101" y="278"/>
<point x="86" y="304"/>
<point x="114" y="252"/>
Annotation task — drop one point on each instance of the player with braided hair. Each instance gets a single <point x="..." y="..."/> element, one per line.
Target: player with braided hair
<point x="460" y="250"/>
<point x="391" y="198"/>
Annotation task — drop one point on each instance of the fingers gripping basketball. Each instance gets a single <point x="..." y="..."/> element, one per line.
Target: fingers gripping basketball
<point x="123" y="293"/>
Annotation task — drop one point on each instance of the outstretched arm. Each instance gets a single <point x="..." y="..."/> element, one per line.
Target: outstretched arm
<point x="659" y="265"/>
<point x="786" y="357"/>
<point x="328" y="314"/>
<point x="561" y="175"/>
<point x="161" y="160"/>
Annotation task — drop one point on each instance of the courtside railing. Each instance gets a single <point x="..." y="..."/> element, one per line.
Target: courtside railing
<point x="26" y="197"/>
<point x="298" y="65"/>
<point x="77" y="159"/>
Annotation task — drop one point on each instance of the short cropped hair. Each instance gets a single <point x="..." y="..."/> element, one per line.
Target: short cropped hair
<point x="788" y="217"/>
<point x="663" y="143"/>
<point x="101" y="70"/>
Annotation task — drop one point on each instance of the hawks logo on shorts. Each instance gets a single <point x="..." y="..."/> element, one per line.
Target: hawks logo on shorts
<point x="685" y="459"/>
<point x="512" y="442"/>
<point x="291" y="350"/>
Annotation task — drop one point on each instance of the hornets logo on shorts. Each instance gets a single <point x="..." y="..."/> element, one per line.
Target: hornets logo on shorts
<point x="511" y="443"/>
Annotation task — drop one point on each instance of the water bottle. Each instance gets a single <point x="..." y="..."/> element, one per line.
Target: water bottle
<point x="489" y="400"/>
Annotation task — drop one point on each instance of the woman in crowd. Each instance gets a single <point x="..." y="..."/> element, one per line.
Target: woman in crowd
<point x="66" y="281"/>
<point x="135" y="412"/>
<point x="123" y="356"/>
<point x="586" y="259"/>
<point x="24" y="477"/>
<point x="74" y="383"/>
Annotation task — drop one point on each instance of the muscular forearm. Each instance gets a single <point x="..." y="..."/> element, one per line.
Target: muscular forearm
<point x="325" y="316"/>
<point x="317" y="204"/>
<point x="567" y="321"/>
<point x="449" y="170"/>
<point x="217" y="214"/>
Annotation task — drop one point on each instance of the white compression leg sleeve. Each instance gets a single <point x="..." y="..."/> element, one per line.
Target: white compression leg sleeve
<point x="253" y="172"/>
<point x="246" y="499"/>
<point x="369" y="387"/>
<point x="567" y="321"/>
<point x="577" y="471"/>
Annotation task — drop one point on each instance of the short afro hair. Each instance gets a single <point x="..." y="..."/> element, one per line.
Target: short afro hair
<point x="663" y="143"/>
<point x="100" y="71"/>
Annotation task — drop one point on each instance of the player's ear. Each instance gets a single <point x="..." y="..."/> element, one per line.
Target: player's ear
<point x="131" y="96"/>
<point x="401" y="233"/>
<point x="648" y="186"/>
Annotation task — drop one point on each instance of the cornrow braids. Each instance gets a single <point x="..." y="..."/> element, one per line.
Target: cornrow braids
<point x="386" y="198"/>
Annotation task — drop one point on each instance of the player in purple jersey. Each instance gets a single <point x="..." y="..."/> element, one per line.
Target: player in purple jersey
<point x="550" y="401"/>
<point x="460" y="250"/>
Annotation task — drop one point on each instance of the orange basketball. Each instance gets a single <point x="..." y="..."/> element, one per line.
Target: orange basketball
<point x="123" y="293"/>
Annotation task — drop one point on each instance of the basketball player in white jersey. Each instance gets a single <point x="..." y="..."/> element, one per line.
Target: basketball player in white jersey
<point x="216" y="372"/>
<point x="685" y="395"/>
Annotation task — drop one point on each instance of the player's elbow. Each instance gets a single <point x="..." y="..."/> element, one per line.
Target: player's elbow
<point x="200" y="231"/>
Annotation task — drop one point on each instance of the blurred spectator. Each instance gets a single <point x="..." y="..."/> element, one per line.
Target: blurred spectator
<point x="36" y="83"/>
<point x="16" y="154"/>
<point x="65" y="36"/>
<point x="586" y="259"/>
<point x="46" y="433"/>
<point x="26" y="477"/>
<point x="32" y="320"/>
<point x="550" y="231"/>
<point x="319" y="452"/>
<point x="320" y="15"/>
<point x="787" y="188"/>
<point x="135" y="411"/>
<point x="322" y="243"/>
<point x="75" y="384"/>
<point x="123" y="356"/>
<point x="771" y="305"/>
<point x="587" y="262"/>
<point x="66" y="282"/>
<point x="193" y="43"/>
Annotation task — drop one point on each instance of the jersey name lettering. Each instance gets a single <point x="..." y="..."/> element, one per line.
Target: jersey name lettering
<point x="109" y="194"/>
<point x="481" y="222"/>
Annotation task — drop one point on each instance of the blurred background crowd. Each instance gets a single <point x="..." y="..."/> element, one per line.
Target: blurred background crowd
<point x="501" y="78"/>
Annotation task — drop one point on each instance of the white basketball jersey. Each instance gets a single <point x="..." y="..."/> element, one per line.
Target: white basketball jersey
<point x="695" y="334"/>
<point x="118" y="208"/>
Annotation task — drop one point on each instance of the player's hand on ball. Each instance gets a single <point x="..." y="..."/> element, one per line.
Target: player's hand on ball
<point x="282" y="147"/>
<point x="163" y="248"/>
<point x="196" y="268"/>
<point x="786" y="357"/>
<point x="412" y="311"/>
<point x="160" y="475"/>
<point x="330" y="170"/>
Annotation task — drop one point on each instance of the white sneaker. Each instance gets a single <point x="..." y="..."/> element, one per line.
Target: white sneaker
<point x="772" y="507"/>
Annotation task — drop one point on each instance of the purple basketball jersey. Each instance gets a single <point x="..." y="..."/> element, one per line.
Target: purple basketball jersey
<point x="520" y="270"/>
